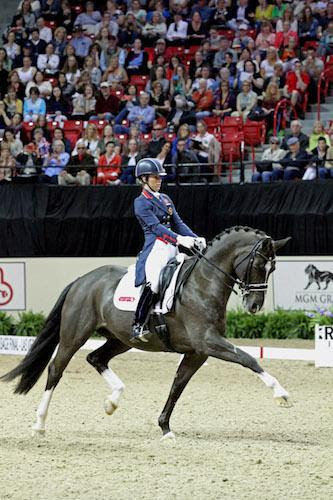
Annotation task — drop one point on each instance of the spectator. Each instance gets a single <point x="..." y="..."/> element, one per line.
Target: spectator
<point x="318" y="160"/>
<point x="326" y="171"/>
<point x="159" y="101"/>
<point x="88" y="19"/>
<point x="107" y="25"/>
<point x="27" y="72"/>
<point x="90" y="140"/>
<point x="157" y="73"/>
<point x="129" y="31"/>
<point x="82" y="168"/>
<point x="177" y="31"/>
<point x="295" y="161"/>
<point x="50" y="9"/>
<point x="15" y="144"/>
<point x="38" y="45"/>
<point x="186" y="162"/>
<point x="295" y="131"/>
<point x="152" y="31"/>
<point x="58" y="135"/>
<point x="314" y="66"/>
<point x="55" y="163"/>
<point x="59" y="41"/>
<point x="137" y="59"/>
<point x="115" y="75"/>
<point x="44" y="86"/>
<point x="246" y="101"/>
<point x="107" y="136"/>
<point x="263" y="12"/>
<point x="45" y="33"/>
<point x="65" y="17"/>
<point x="181" y="113"/>
<point x="165" y="158"/>
<point x="326" y="41"/>
<point x="128" y="101"/>
<point x="270" y="62"/>
<point x="317" y="132"/>
<point x="112" y="50"/>
<point x="12" y="103"/>
<point x="34" y="106"/>
<point x="180" y="82"/>
<point x="109" y="163"/>
<point x="7" y="164"/>
<point x="205" y="73"/>
<point x="48" y="62"/>
<point x="28" y="15"/>
<point x="196" y="31"/>
<point x="271" y="97"/>
<point x="203" y="99"/>
<point x="129" y="161"/>
<point x="220" y="56"/>
<point x="207" y="148"/>
<point x="219" y="15"/>
<point x="58" y="107"/>
<point x="278" y="10"/>
<point x="240" y="13"/>
<point x="266" y="38"/>
<point x="282" y="37"/>
<point x="225" y="102"/>
<point x="71" y="70"/>
<point x="80" y="42"/>
<point x="137" y="12"/>
<point x="67" y="88"/>
<point x="242" y="39"/>
<point x="107" y="104"/>
<point x="308" y="26"/>
<point x="157" y="140"/>
<point x="269" y="169"/>
<point x="142" y="115"/>
<point x="11" y="47"/>
<point x="297" y="82"/>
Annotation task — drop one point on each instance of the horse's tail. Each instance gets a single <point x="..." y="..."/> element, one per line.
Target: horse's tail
<point x="36" y="360"/>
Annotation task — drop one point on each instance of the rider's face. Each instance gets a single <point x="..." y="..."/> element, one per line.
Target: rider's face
<point x="154" y="182"/>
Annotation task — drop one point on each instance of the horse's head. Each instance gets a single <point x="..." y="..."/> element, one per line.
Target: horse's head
<point x="252" y="266"/>
<point x="309" y="269"/>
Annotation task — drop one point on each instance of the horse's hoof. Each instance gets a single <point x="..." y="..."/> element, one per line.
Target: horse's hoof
<point x="169" y="436"/>
<point x="37" y="432"/>
<point x="109" y="406"/>
<point x="283" y="401"/>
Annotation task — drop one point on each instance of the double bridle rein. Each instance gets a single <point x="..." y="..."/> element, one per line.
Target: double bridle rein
<point x="245" y="285"/>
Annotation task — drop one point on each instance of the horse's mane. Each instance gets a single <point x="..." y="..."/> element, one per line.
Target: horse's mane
<point x="236" y="229"/>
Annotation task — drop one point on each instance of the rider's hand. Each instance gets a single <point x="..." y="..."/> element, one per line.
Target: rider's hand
<point x="186" y="241"/>
<point x="201" y="242"/>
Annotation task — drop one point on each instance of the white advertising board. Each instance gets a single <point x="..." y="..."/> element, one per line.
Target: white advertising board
<point x="12" y="286"/>
<point x="324" y="346"/>
<point x="303" y="284"/>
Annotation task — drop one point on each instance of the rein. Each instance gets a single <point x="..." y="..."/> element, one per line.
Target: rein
<point x="245" y="286"/>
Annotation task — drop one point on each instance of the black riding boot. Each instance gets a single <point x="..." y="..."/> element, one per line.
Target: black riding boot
<point x="146" y="300"/>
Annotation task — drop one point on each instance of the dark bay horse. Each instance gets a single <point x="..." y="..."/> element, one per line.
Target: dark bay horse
<point x="197" y="324"/>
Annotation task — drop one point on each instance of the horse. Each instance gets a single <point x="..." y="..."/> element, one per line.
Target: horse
<point x="196" y="325"/>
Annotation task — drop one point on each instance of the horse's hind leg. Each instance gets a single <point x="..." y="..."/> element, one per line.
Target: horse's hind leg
<point x="55" y="371"/>
<point x="187" y="368"/>
<point x="99" y="359"/>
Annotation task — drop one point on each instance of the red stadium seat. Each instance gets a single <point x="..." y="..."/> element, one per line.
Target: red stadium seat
<point x="230" y="150"/>
<point x="52" y="125"/>
<point x="213" y="123"/>
<point x="122" y="138"/>
<point x="140" y="81"/>
<point x="230" y="34"/>
<point x="100" y="124"/>
<point x="28" y="128"/>
<point x="51" y="24"/>
<point x="73" y="136"/>
<point x="254" y="135"/>
<point x="233" y="121"/>
<point x="151" y="53"/>
<point x="73" y="125"/>
<point x="174" y="51"/>
<point x="146" y="138"/>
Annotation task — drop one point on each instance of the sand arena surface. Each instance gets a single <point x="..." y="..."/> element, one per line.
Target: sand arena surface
<point x="233" y="441"/>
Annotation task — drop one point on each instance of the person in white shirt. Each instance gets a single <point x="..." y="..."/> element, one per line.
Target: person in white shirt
<point x="177" y="31"/>
<point x="45" y="33"/>
<point x="271" y="155"/>
<point x="48" y="62"/>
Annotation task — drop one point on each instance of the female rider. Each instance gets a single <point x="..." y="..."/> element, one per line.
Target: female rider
<point x="164" y="231"/>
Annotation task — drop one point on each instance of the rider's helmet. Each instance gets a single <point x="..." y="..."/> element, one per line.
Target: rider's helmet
<point x="149" y="166"/>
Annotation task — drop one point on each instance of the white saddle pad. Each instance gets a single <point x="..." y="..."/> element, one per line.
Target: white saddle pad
<point x="126" y="296"/>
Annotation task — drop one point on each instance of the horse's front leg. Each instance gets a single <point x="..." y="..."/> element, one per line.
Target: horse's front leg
<point x="187" y="368"/>
<point x="219" y="347"/>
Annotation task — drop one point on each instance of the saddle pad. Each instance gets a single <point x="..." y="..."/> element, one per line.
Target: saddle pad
<point x="126" y="296"/>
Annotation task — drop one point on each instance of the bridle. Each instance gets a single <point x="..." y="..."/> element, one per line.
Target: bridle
<point x="244" y="284"/>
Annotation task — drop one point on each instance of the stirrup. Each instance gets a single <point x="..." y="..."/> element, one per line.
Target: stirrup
<point x="139" y="332"/>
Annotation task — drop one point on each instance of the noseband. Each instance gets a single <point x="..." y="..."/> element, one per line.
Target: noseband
<point x="244" y="284"/>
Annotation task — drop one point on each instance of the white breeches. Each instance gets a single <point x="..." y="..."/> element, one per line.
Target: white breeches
<point x="159" y="256"/>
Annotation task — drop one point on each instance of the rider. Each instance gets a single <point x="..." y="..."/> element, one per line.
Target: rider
<point x="163" y="230"/>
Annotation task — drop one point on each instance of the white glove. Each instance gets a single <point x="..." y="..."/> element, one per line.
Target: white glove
<point x="201" y="243"/>
<point x="186" y="241"/>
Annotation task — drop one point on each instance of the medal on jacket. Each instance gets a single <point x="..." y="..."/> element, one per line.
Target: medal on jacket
<point x="170" y="210"/>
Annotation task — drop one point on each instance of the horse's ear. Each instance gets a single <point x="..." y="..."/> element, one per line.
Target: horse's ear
<point x="278" y="244"/>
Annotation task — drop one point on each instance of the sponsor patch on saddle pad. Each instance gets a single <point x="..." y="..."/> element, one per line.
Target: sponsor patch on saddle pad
<point x="126" y="296"/>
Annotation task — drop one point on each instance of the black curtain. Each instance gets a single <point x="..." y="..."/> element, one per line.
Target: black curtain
<point x="46" y="221"/>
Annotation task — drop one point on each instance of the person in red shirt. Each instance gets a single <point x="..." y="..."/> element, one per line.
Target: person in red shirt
<point x="109" y="166"/>
<point x="297" y="82"/>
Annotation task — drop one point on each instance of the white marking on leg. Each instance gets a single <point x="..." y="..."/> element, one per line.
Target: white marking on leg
<point x="42" y="410"/>
<point x="269" y="381"/>
<point x="117" y="388"/>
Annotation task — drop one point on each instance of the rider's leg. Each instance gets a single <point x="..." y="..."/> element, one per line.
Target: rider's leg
<point x="159" y="256"/>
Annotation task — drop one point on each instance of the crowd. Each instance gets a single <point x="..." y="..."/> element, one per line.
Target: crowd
<point x="145" y="77"/>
